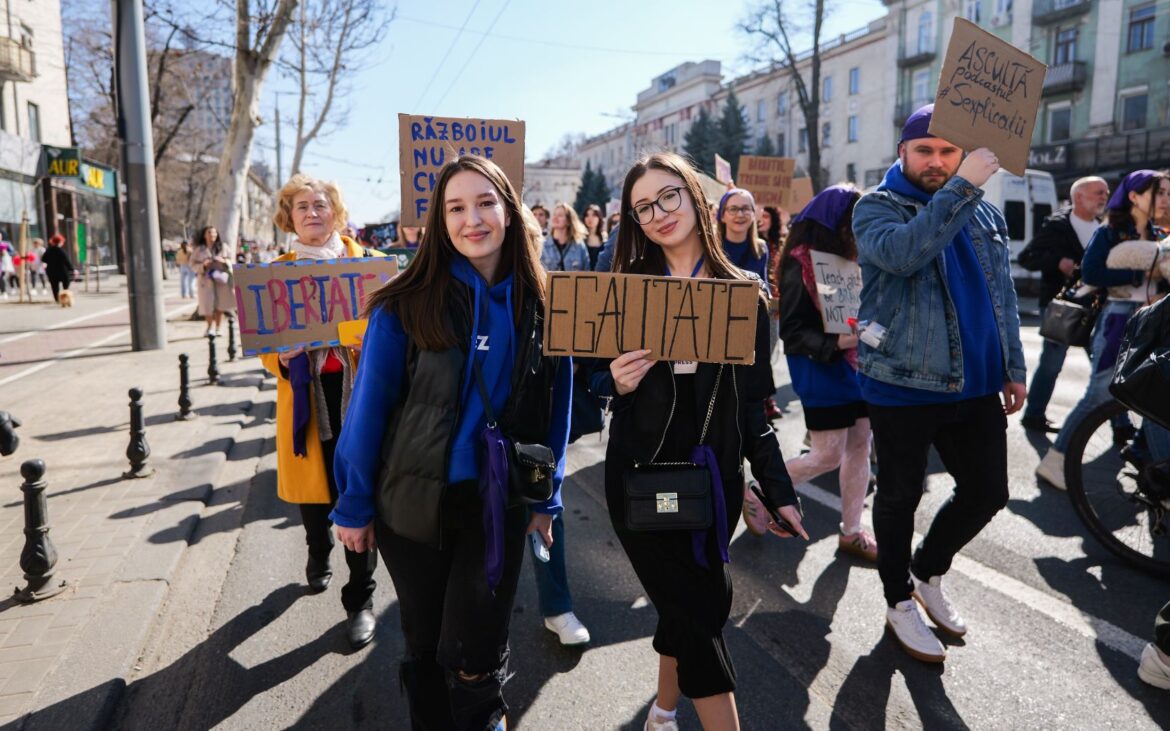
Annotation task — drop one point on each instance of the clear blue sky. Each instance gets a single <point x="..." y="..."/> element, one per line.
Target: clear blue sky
<point x="560" y="69"/>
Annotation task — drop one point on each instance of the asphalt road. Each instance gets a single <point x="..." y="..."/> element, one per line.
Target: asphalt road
<point x="1055" y="625"/>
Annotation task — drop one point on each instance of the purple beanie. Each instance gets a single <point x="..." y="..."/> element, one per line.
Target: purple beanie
<point x="917" y="124"/>
<point x="1119" y="201"/>
<point x="829" y="206"/>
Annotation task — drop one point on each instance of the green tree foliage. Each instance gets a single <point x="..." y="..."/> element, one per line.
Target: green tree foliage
<point x="594" y="190"/>
<point x="733" y="132"/>
<point x="764" y="147"/>
<point x="702" y="142"/>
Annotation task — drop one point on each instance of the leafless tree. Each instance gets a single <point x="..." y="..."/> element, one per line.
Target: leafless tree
<point x="772" y="25"/>
<point x="329" y="42"/>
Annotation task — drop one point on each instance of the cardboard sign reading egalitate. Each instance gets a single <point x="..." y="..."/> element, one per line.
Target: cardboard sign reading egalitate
<point x="988" y="96"/>
<point x="425" y="144"/>
<point x="286" y="304"/>
<point x="601" y="315"/>
<point x="838" y="289"/>
<point x="768" y="178"/>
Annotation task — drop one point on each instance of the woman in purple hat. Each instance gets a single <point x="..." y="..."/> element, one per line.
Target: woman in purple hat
<point x="823" y="366"/>
<point x="1142" y="198"/>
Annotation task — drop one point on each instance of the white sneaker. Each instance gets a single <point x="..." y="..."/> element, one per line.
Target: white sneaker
<point x="912" y="633"/>
<point x="1051" y="469"/>
<point x="938" y="607"/>
<point x="1152" y="670"/>
<point x="652" y="725"/>
<point x="568" y="628"/>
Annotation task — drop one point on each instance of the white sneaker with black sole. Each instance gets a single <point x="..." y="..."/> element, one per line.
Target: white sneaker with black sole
<point x="938" y="606"/>
<point x="568" y="628"/>
<point x="1152" y="669"/>
<point x="1051" y="469"/>
<point x="912" y="633"/>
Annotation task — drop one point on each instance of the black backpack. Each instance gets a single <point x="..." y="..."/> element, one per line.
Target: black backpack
<point x="1141" y="378"/>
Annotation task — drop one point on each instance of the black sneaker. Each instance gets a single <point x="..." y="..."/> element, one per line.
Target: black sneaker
<point x="1039" y="423"/>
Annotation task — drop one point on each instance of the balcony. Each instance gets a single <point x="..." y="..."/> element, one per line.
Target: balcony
<point x="1120" y="152"/>
<point x="905" y="109"/>
<point x="17" y="63"/>
<point x="1047" y="12"/>
<point x="1065" y="77"/>
<point x="916" y="58"/>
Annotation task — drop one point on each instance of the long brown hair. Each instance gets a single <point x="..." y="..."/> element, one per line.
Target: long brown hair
<point x="600" y="221"/>
<point x="635" y="253"/>
<point x="1121" y="219"/>
<point x="419" y="295"/>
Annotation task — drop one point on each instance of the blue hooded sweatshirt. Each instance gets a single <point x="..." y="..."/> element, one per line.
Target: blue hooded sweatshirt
<point x="983" y="372"/>
<point x="378" y="388"/>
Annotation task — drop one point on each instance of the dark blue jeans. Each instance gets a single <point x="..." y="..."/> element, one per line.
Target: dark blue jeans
<point x="552" y="581"/>
<point x="1052" y="356"/>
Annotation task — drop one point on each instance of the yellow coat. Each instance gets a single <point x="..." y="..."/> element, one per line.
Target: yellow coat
<point x="301" y="479"/>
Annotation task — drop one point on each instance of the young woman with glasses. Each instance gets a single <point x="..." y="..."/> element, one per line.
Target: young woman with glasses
<point x="659" y="412"/>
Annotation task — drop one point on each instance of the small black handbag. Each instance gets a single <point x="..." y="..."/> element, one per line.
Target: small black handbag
<point x="1069" y="318"/>
<point x="530" y="466"/>
<point x="671" y="495"/>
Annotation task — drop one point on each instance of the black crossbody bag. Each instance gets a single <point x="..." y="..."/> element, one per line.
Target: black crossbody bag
<point x="1069" y="319"/>
<point x="530" y="466"/>
<point x="671" y="495"/>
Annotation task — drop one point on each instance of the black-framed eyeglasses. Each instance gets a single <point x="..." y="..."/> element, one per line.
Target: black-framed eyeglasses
<point x="668" y="201"/>
<point x="740" y="210"/>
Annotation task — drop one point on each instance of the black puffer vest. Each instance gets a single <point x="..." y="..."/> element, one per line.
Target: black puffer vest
<point x="417" y="447"/>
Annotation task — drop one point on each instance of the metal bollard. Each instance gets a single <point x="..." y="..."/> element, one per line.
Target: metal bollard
<point x="212" y="365"/>
<point x="39" y="557"/>
<point x="184" y="390"/>
<point x="138" y="451"/>
<point x="231" y="327"/>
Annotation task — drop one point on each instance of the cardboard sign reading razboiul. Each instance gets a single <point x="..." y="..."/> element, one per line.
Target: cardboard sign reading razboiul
<point x="988" y="96"/>
<point x="768" y="178"/>
<point x="425" y="144"/>
<point x="287" y="304"/>
<point x="838" y="289"/>
<point x="604" y="315"/>
<point x="722" y="170"/>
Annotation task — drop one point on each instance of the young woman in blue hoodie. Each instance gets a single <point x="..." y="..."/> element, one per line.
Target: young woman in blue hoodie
<point x="411" y="470"/>
<point x="659" y="412"/>
<point x="823" y="366"/>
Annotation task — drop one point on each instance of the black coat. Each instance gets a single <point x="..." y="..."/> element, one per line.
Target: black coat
<point x="1056" y="240"/>
<point x="57" y="264"/>
<point x="801" y="326"/>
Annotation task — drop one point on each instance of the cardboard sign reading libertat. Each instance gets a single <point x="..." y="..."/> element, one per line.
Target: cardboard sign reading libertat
<point x="722" y="170"/>
<point x="604" y="315"/>
<point x="768" y="178"/>
<point x="425" y="144"/>
<point x="287" y="304"/>
<point x="988" y="96"/>
<point x="838" y="289"/>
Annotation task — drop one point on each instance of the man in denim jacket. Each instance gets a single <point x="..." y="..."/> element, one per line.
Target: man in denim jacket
<point x="939" y="345"/>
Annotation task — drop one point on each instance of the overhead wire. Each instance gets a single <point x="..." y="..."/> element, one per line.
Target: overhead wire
<point x="482" y="38"/>
<point x="446" y="55"/>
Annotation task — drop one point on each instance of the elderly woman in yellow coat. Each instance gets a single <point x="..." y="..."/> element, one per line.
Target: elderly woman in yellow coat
<point x="312" y="393"/>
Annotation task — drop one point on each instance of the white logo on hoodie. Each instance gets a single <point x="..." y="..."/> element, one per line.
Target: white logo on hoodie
<point x="483" y="342"/>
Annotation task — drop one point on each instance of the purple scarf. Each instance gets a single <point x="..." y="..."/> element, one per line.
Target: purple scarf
<point x="704" y="456"/>
<point x="300" y="378"/>
<point x="493" y="491"/>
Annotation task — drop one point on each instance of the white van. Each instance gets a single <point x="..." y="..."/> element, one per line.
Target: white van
<point x="1025" y="203"/>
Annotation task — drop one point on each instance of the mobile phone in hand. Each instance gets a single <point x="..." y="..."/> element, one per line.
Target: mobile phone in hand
<point x="539" y="550"/>
<point x="774" y="513"/>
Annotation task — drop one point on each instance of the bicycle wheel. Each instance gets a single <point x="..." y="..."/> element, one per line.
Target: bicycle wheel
<point x="1122" y="508"/>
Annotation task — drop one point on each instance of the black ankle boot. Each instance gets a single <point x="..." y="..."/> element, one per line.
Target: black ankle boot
<point x="319" y="573"/>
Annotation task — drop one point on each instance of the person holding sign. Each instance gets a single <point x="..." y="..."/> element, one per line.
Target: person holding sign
<point x="823" y="367"/>
<point x="939" y="346"/>
<point x="564" y="249"/>
<point x="312" y="390"/>
<point x="701" y="419"/>
<point x="423" y="468"/>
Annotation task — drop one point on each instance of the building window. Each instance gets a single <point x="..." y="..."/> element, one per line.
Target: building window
<point x="761" y="111"/>
<point x="1059" y="124"/>
<point x="1133" y="112"/>
<point x="827" y="89"/>
<point x="782" y="104"/>
<point x="851" y="172"/>
<point x="802" y="140"/>
<point x="34" y="122"/>
<point x="1065" y="50"/>
<point x="853" y="128"/>
<point x="854" y="81"/>
<point x="826" y="134"/>
<point x="1003" y="6"/>
<point x="781" y="145"/>
<point x="921" y="90"/>
<point x="971" y="10"/>
<point x="926" y="33"/>
<point x="1141" y="28"/>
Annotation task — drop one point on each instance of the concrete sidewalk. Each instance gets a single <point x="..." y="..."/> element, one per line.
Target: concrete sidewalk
<point x="119" y="541"/>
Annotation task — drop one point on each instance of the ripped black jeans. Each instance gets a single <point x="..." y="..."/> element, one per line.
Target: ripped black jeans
<point x="455" y="628"/>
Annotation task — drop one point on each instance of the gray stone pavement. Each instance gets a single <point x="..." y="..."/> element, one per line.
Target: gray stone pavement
<point x="66" y="373"/>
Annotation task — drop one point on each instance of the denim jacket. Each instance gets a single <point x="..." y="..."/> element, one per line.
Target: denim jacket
<point x="900" y="244"/>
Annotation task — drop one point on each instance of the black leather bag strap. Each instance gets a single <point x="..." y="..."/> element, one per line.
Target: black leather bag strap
<point x="483" y="392"/>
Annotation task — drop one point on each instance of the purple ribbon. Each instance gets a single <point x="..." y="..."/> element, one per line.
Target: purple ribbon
<point x="493" y="491"/>
<point x="299" y="378"/>
<point x="704" y="456"/>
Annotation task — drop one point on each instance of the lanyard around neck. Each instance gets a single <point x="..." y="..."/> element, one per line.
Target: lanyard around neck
<point x="695" y="273"/>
